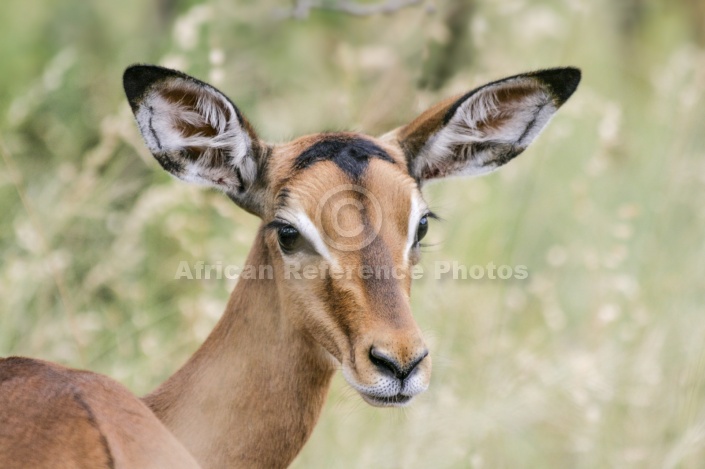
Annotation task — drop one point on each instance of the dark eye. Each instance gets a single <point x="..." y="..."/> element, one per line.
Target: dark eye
<point x="422" y="229"/>
<point x="289" y="238"/>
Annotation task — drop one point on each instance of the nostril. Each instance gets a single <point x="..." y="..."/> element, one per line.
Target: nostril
<point x="385" y="362"/>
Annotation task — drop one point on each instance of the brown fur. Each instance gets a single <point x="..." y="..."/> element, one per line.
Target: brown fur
<point x="56" y="417"/>
<point x="252" y="393"/>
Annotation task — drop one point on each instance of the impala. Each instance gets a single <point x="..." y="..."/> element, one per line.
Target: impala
<point x="346" y="206"/>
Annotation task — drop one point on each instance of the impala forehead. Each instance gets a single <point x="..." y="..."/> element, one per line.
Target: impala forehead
<point x="350" y="152"/>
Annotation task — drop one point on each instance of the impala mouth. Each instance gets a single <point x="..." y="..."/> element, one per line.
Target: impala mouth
<point x="389" y="401"/>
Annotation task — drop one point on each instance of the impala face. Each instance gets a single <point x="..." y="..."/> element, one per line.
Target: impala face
<point x="342" y="213"/>
<point x="348" y="214"/>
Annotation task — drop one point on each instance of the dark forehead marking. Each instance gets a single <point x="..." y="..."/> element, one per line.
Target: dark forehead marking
<point x="350" y="154"/>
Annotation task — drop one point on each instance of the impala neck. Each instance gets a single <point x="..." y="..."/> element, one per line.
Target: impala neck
<point x="251" y="395"/>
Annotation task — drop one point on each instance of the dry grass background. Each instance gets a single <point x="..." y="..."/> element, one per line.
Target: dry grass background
<point x="596" y="360"/>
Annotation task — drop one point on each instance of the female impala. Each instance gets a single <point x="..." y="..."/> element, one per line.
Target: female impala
<point x="331" y="203"/>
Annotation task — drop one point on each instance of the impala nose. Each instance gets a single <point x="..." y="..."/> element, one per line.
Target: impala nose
<point x="388" y="365"/>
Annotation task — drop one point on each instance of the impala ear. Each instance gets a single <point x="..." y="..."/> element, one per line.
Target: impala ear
<point x="485" y="128"/>
<point x="196" y="133"/>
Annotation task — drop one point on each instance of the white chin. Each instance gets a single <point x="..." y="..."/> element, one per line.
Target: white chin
<point x="393" y="401"/>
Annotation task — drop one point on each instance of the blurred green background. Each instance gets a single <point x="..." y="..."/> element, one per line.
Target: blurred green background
<point x="596" y="360"/>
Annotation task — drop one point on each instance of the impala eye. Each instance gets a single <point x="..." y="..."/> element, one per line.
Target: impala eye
<point x="422" y="229"/>
<point x="289" y="238"/>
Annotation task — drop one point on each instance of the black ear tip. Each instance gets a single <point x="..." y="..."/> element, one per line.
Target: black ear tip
<point x="138" y="78"/>
<point x="562" y="81"/>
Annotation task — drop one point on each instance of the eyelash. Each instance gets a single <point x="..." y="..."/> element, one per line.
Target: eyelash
<point x="421" y="230"/>
<point x="425" y="216"/>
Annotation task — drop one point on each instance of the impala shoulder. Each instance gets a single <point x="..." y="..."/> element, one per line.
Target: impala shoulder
<point x="85" y="419"/>
<point x="46" y="414"/>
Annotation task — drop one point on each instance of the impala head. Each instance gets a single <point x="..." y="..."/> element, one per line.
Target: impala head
<point x="342" y="212"/>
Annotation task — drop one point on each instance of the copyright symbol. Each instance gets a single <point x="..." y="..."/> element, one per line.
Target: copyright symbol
<point x="339" y="232"/>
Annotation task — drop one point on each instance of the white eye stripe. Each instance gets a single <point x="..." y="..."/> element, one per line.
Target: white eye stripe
<point x="308" y="230"/>
<point x="416" y="212"/>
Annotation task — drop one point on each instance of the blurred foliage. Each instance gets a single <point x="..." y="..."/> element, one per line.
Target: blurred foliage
<point x="597" y="360"/>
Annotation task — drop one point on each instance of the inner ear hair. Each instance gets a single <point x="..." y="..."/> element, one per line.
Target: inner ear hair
<point x="487" y="127"/>
<point x="195" y="132"/>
